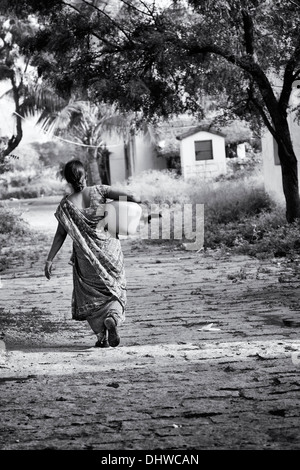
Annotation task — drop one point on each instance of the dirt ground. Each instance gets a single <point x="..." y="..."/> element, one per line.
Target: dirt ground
<point x="209" y="356"/>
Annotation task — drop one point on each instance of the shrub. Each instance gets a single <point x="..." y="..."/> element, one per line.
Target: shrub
<point x="31" y="183"/>
<point x="158" y="187"/>
<point x="277" y="241"/>
<point x="231" y="201"/>
<point x="238" y="214"/>
<point x="11" y="222"/>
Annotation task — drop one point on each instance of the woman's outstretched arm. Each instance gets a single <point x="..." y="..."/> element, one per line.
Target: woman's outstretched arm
<point x="57" y="243"/>
<point x="116" y="194"/>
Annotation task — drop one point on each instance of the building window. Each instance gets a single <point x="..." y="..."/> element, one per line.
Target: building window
<point x="203" y="150"/>
<point x="276" y="157"/>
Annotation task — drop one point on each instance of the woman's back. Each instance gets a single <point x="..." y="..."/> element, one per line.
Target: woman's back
<point x="81" y="199"/>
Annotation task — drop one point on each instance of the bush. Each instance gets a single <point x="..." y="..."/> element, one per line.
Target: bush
<point x="12" y="227"/>
<point x="227" y="202"/>
<point x="31" y="183"/>
<point x="12" y="222"/>
<point x="238" y="214"/>
<point x="158" y="187"/>
<point x="278" y="241"/>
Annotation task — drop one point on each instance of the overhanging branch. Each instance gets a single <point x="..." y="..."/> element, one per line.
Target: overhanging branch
<point x="262" y="112"/>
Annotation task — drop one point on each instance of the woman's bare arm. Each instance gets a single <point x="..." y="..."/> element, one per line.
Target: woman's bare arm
<point x="57" y="243"/>
<point x="130" y="196"/>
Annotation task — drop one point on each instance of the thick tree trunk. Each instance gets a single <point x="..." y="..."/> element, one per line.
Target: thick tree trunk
<point x="291" y="190"/>
<point x="289" y="168"/>
<point x="279" y="127"/>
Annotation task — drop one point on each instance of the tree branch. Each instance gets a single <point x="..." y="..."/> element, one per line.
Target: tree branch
<point x="130" y="5"/>
<point x="261" y="111"/>
<point x="247" y="64"/>
<point x="102" y="13"/>
<point x="248" y="32"/>
<point x="296" y="74"/>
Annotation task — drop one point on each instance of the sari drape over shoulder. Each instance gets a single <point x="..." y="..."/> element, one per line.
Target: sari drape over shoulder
<point x="98" y="263"/>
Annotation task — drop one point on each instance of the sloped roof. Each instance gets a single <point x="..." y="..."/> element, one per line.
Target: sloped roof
<point x="195" y="130"/>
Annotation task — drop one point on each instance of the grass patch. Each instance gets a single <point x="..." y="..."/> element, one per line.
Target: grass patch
<point x="17" y="239"/>
<point x="238" y="214"/>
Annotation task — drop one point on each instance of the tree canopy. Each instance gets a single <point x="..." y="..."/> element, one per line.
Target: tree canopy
<point x="162" y="57"/>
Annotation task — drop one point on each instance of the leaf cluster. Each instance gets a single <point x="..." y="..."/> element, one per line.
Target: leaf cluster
<point x="164" y="60"/>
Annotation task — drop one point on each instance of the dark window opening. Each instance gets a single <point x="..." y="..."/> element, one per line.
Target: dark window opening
<point x="203" y="150"/>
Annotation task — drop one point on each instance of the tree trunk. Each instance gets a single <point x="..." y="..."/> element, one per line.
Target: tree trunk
<point x="291" y="190"/>
<point x="104" y="166"/>
<point x="93" y="176"/>
<point x="279" y="123"/>
<point x="15" y="139"/>
<point x="289" y="169"/>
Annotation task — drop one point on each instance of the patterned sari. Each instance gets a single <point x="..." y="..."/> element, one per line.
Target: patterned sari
<point x="99" y="283"/>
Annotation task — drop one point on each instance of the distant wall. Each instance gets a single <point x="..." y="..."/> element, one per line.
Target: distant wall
<point x="141" y="156"/>
<point x="271" y="165"/>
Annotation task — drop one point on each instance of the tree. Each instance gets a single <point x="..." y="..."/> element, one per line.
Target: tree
<point x="10" y="32"/>
<point x="162" y="59"/>
<point x="86" y="123"/>
<point x="28" y="95"/>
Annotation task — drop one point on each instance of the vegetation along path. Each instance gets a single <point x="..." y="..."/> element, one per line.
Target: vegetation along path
<point x="209" y="355"/>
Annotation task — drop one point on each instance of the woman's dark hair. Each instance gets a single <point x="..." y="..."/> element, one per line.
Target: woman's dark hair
<point x="74" y="173"/>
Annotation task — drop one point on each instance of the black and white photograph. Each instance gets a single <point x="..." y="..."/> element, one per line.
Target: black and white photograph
<point x="149" y="228"/>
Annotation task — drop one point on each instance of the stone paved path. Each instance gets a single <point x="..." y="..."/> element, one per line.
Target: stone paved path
<point x="209" y="357"/>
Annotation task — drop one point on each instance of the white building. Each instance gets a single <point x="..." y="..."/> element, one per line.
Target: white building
<point x="202" y="153"/>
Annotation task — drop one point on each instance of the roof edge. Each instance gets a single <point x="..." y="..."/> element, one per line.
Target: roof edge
<point x="199" y="129"/>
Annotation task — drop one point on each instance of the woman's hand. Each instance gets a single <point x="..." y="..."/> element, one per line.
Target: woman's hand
<point x="48" y="268"/>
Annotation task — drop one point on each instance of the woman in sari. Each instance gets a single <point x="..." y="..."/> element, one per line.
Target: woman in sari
<point x="99" y="283"/>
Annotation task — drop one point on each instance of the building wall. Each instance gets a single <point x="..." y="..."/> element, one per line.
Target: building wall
<point x="141" y="156"/>
<point x="115" y="145"/>
<point x="204" y="168"/>
<point x="117" y="163"/>
<point x="145" y="157"/>
<point x="271" y="166"/>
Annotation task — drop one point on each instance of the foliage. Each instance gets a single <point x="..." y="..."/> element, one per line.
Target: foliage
<point x="11" y="221"/>
<point x="85" y="124"/>
<point x="26" y="89"/>
<point x="239" y="218"/>
<point x="244" y="54"/>
<point x="17" y="238"/>
<point x="32" y="182"/>
<point x="55" y="152"/>
<point x="238" y="168"/>
<point x="176" y="52"/>
<point x="271" y="238"/>
<point x="158" y="187"/>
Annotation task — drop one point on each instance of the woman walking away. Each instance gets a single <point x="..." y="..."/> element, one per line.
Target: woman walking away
<point x="99" y="283"/>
